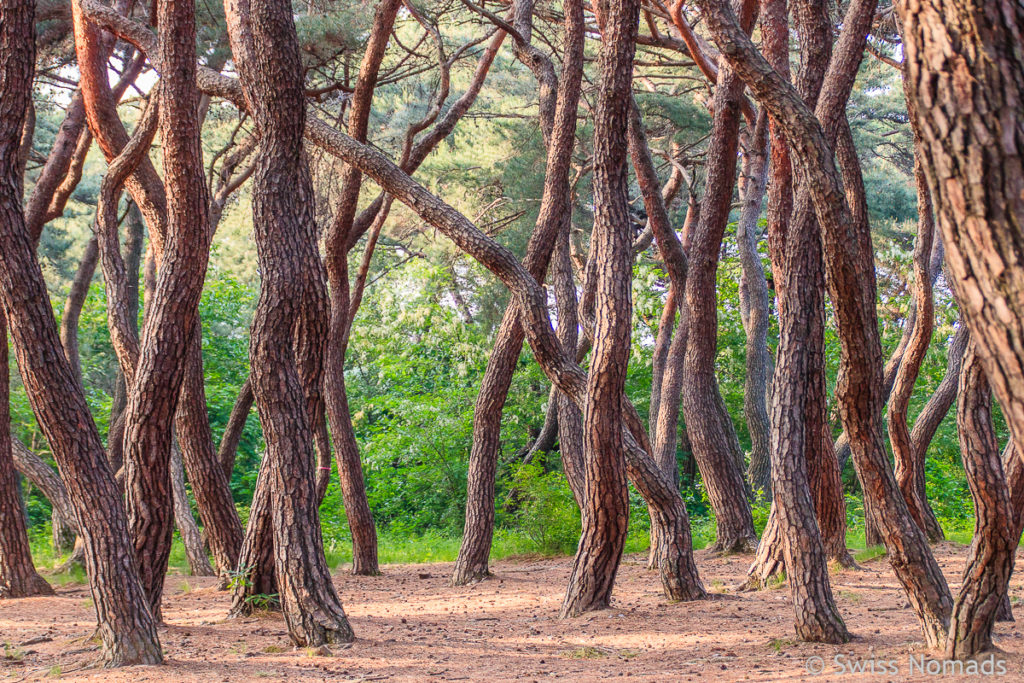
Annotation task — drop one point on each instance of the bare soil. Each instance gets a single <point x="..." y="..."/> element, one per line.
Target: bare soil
<point x="412" y="626"/>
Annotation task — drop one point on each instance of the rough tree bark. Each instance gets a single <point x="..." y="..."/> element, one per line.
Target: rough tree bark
<point x="472" y="561"/>
<point x="195" y="553"/>
<point x="606" y="496"/>
<point x="851" y="282"/>
<point x="909" y="462"/>
<point x="172" y="315"/>
<point x="990" y="561"/>
<point x="126" y="625"/>
<point x="265" y="46"/>
<point x="754" y="304"/>
<point x="965" y="73"/>
<point x="18" y="576"/>
<point x="710" y="429"/>
<point x="350" y="469"/>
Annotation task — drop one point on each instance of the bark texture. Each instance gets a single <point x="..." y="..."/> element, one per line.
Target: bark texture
<point x="265" y="46"/>
<point x="606" y="497"/>
<point x="991" y="557"/>
<point x="126" y="626"/>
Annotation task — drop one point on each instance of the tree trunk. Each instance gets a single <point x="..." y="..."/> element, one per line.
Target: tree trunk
<point x="910" y="463"/>
<point x="606" y="496"/>
<point x="754" y="301"/>
<point x="350" y="470"/>
<point x="965" y="74"/>
<point x="18" y="576"/>
<point x="851" y="282"/>
<point x="934" y="411"/>
<point x="42" y="476"/>
<point x="990" y="561"/>
<point x="472" y="562"/>
<point x="209" y="485"/>
<point x="126" y="625"/>
<point x="198" y="562"/>
<point x="817" y="618"/>
<point x="264" y="43"/>
<point x="228" y="449"/>
<point x="74" y="303"/>
<point x="172" y="315"/>
<point x="711" y="432"/>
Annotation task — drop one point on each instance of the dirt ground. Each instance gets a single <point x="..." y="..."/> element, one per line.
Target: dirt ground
<point x="411" y="626"/>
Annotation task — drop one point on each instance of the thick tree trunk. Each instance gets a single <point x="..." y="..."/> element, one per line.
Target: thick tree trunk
<point x="710" y="429"/>
<point x="126" y="625"/>
<point x="606" y="496"/>
<point x="990" y="561"/>
<point x="472" y="562"/>
<point x="198" y="562"/>
<point x="965" y="73"/>
<point x="266" y="51"/>
<point x="18" y="576"/>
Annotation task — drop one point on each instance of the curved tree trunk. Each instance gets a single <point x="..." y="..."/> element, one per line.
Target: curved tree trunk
<point x="18" y="576"/>
<point x="934" y="411"/>
<point x="198" y="562"/>
<point x="228" y="449"/>
<point x="172" y="315"/>
<point x="350" y="469"/>
<point x="74" y="303"/>
<point x="560" y="124"/>
<point x="710" y="429"/>
<point x="606" y="496"/>
<point x="990" y="561"/>
<point x="851" y="283"/>
<point x="910" y="463"/>
<point x="266" y="51"/>
<point x="126" y="625"/>
<point x="209" y="485"/>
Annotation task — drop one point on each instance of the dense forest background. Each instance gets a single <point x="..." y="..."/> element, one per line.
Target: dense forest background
<point x="421" y="339"/>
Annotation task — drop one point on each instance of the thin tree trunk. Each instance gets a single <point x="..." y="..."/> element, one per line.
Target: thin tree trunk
<point x="606" y="496"/>
<point x="209" y="485"/>
<point x="198" y="562"/>
<point x="74" y="303"/>
<point x="990" y="561"/>
<point x="266" y="51"/>
<point x="233" y="431"/>
<point x="126" y="625"/>
<point x="710" y="429"/>
<point x="910" y="463"/>
<point x="754" y="300"/>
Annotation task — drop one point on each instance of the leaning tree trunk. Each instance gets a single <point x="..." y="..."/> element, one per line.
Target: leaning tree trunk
<point x="472" y="562"/>
<point x="350" y="469"/>
<point x="18" y="576"/>
<point x="263" y="40"/>
<point x="851" y="283"/>
<point x="198" y="562"/>
<point x="42" y="476"/>
<point x="606" y="496"/>
<point x="172" y="315"/>
<point x="990" y="561"/>
<point x="710" y="429"/>
<point x="126" y="625"/>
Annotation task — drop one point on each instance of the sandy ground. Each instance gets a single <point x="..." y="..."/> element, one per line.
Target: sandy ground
<point x="411" y="626"/>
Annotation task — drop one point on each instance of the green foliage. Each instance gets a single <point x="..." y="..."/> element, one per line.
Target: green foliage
<point x="547" y="513"/>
